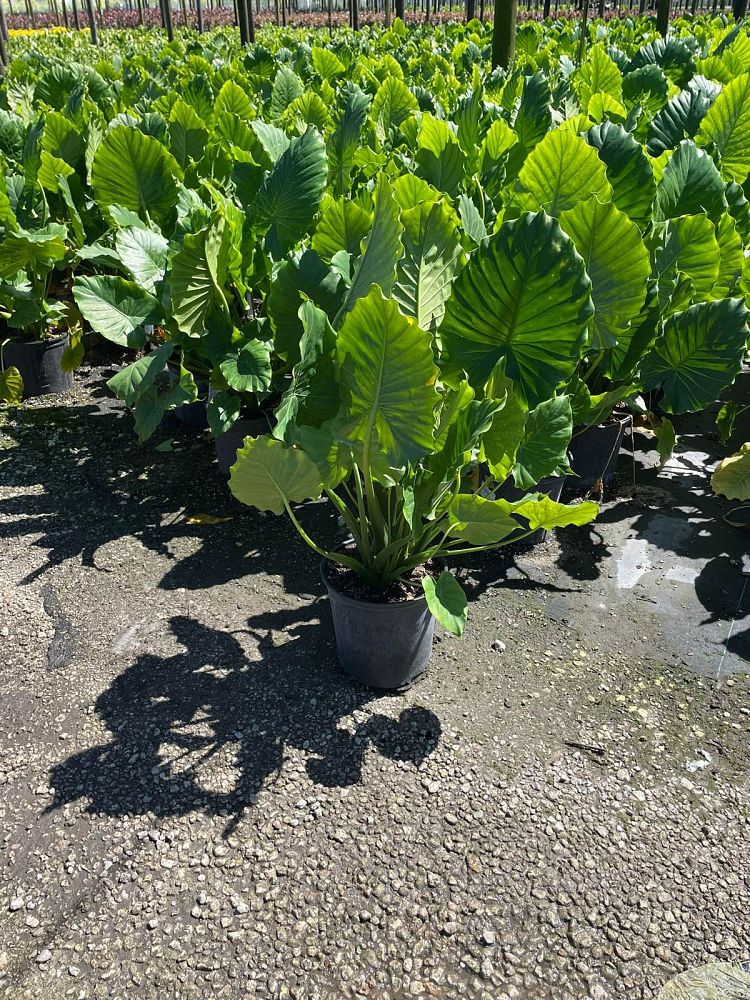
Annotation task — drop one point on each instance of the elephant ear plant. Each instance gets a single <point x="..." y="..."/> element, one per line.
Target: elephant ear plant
<point x="368" y="423"/>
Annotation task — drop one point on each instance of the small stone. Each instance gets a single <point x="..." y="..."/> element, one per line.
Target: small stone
<point x="73" y="971"/>
<point x="450" y="928"/>
<point x="16" y="904"/>
<point x="152" y="924"/>
<point x="499" y="646"/>
<point x="451" y="819"/>
<point x="488" y="936"/>
<point x="32" y="921"/>
<point x="44" y="956"/>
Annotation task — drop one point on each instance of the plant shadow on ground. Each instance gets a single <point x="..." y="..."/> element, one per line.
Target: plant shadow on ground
<point x="173" y="718"/>
<point x="81" y="481"/>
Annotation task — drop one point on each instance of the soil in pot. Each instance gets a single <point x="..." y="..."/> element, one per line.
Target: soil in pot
<point x="229" y="443"/>
<point x="40" y="365"/>
<point x="552" y="487"/>
<point x="383" y="637"/>
<point x="594" y="452"/>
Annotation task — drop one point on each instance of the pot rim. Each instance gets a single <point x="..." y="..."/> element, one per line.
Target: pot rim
<point x="358" y="602"/>
<point x="45" y="342"/>
<point x="622" y="419"/>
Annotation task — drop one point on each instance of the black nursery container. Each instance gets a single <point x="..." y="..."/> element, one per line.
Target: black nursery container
<point x="385" y="646"/>
<point x="594" y="452"/>
<point x="230" y="442"/>
<point x="40" y="365"/>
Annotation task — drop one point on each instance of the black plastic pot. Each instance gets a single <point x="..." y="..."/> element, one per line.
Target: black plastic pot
<point x="229" y="443"/>
<point x="594" y="452"/>
<point x="552" y="487"/>
<point x="192" y="414"/>
<point x="385" y="646"/>
<point x="39" y="362"/>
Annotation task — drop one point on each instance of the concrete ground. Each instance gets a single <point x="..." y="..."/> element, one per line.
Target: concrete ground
<point x="195" y="802"/>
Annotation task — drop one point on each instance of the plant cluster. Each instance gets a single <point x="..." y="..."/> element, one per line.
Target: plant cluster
<point x="425" y="272"/>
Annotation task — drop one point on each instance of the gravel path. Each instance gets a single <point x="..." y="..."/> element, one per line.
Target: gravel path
<point x="195" y="803"/>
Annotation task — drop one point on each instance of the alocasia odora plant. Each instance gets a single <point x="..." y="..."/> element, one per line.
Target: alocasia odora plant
<point x="369" y="424"/>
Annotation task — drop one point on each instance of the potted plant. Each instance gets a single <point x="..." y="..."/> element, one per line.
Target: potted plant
<point x="34" y="330"/>
<point x="369" y="424"/>
<point x="180" y="306"/>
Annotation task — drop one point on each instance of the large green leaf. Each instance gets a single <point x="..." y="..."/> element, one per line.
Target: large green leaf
<point x="543" y="450"/>
<point x="432" y="257"/>
<point x="393" y="103"/>
<point x="302" y="275"/>
<point x="187" y="134"/>
<point x="732" y="476"/>
<point x="223" y="411"/>
<point x="689" y="246"/>
<point x="313" y="397"/>
<point x="533" y="117"/>
<point x="326" y="63"/>
<point x="523" y="300"/>
<point x="439" y="156"/>
<point x="273" y="141"/>
<point x="38" y="249"/>
<point x="382" y="250"/>
<point x="290" y="195"/>
<point x="561" y="171"/>
<point x="135" y="171"/>
<point x="731" y="258"/>
<point x="232" y="99"/>
<point x="249" y="368"/>
<point x="116" y="308"/>
<point x="598" y="74"/>
<point x="11" y="386"/>
<point x="479" y="521"/>
<point x="547" y="514"/>
<point x="646" y="87"/>
<point x="387" y="375"/>
<point x="144" y="254"/>
<point x="727" y="126"/>
<point x="269" y="475"/>
<point x="698" y="354"/>
<point x="62" y="139"/>
<point x="617" y="262"/>
<point x="628" y="169"/>
<point x="447" y="601"/>
<point x="671" y="54"/>
<point x="503" y="438"/>
<point x="343" y="225"/>
<point x="690" y="185"/>
<point x="678" y="120"/>
<point x="136" y="378"/>
<point x="343" y="143"/>
<point x="150" y="405"/>
<point x="286" y="87"/>
<point x="197" y="278"/>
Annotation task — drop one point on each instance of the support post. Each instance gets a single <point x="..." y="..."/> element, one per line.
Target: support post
<point x="504" y="33"/>
<point x="662" y="17"/>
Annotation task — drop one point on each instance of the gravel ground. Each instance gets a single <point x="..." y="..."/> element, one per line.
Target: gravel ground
<point x="195" y="802"/>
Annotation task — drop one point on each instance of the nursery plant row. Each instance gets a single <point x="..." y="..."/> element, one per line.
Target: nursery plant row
<point x="412" y="285"/>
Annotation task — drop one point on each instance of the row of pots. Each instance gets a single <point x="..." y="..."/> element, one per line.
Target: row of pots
<point x="593" y="452"/>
